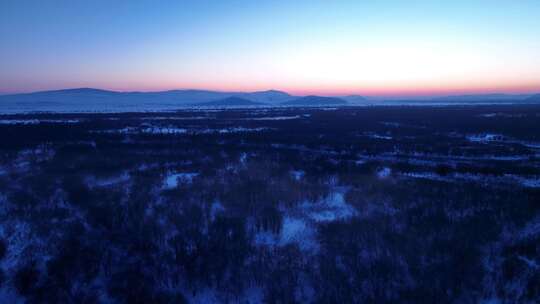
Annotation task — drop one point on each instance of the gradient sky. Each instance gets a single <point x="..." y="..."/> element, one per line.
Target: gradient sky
<point x="303" y="47"/>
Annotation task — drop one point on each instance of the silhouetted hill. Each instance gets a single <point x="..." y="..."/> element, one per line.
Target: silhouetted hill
<point x="315" y="101"/>
<point x="354" y="99"/>
<point x="231" y="101"/>
<point x="270" y="96"/>
<point x="90" y="100"/>
<point x="59" y="95"/>
<point x="535" y="98"/>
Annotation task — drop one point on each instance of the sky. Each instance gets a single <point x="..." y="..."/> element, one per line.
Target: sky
<point x="372" y="48"/>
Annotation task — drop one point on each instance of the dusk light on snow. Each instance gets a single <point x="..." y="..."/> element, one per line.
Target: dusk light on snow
<point x="255" y="152"/>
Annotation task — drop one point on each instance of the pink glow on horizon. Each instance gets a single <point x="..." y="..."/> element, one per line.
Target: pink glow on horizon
<point x="422" y="91"/>
<point x="343" y="91"/>
<point x="375" y="91"/>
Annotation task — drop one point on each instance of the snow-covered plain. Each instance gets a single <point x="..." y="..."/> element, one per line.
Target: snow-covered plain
<point x="37" y="121"/>
<point x="155" y="129"/>
<point x="308" y="205"/>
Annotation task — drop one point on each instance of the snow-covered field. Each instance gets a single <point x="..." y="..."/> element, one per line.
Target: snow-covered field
<point x="37" y="121"/>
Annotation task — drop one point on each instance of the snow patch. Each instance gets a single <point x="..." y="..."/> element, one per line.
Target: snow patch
<point x="528" y="182"/>
<point x="506" y="115"/>
<point x="299" y="224"/>
<point x="384" y="172"/>
<point x="425" y="175"/>
<point x="19" y="122"/>
<point x="216" y="209"/>
<point x="533" y="145"/>
<point x="176" y="118"/>
<point x="332" y="208"/>
<point x="275" y="118"/>
<point x="294" y="230"/>
<point x="485" y="137"/>
<point x="233" y="130"/>
<point x="172" y="180"/>
<point x="377" y="136"/>
<point x="297" y="174"/>
<point x="391" y="124"/>
<point x="243" y="157"/>
<point x="298" y="231"/>
<point x="163" y="130"/>
<point x="150" y="129"/>
<point x="36" y="121"/>
<point x="529" y="262"/>
<point x="104" y="182"/>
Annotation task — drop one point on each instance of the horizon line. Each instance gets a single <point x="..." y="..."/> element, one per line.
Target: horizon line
<point x="419" y="93"/>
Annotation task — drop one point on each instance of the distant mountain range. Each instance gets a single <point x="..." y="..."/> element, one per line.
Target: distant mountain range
<point x="89" y="100"/>
<point x="300" y="101"/>
<point x="230" y="101"/>
<point x="315" y="101"/>
<point x="97" y="100"/>
<point x="354" y="99"/>
<point x="178" y="97"/>
<point x="483" y="97"/>
<point x="534" y="98"/>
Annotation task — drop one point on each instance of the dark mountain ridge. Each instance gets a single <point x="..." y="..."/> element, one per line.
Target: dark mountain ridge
<point x="231" y="101"/>
<point x="535" y="98"/>
<point x="313" y="100"/>
<point x="178" y="97"/>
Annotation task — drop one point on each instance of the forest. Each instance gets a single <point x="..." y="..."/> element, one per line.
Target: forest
<point x="380" y="204"/>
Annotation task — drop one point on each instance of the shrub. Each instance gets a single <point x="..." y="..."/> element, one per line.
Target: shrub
<point x="26" y="279"/>
<point x="3" y="249"/>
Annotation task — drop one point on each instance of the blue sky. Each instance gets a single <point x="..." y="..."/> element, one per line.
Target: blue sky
<point x="322" y="47"/>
